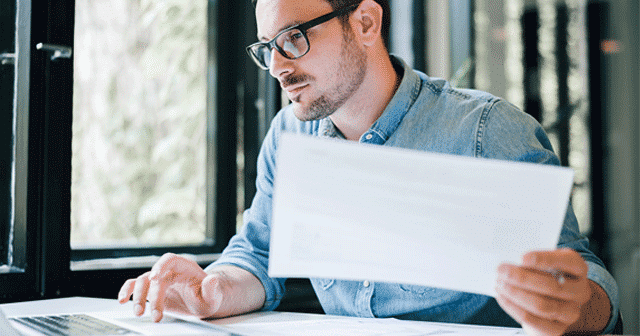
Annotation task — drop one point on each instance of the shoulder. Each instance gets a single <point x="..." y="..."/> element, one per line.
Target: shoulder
<point x="497" y="128"/>
<point x="485" y="106"/>
<point x="443" y="92"/>
<point x="441" y="101"/>
<point x="507" y="132"/>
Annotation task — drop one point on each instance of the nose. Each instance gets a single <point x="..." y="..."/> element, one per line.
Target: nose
<point x="279" y="64"/>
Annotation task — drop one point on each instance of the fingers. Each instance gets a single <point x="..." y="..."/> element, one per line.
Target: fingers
<point x="534" y="325"/>
<point x="564" y="260"/>
<point x="139" y="288"/>
<point x="540" y="299"/>
<point x="126" y="290"/>
<point x="163" y="273"/>
<point x="140" y="291"/>
<point x="542" y="283"/>
<point x="171" y="266"/>
<point x="174" y="283"/>
<point x="543" y="307"/>
<point x="156" y="297"/>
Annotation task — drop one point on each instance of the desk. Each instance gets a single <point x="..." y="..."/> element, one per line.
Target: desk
<point x="260" y="323"/>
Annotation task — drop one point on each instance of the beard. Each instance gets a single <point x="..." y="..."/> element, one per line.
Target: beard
<point x="347" y="78"/>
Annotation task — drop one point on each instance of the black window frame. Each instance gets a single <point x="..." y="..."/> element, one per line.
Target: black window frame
<point x="235" y="88"/>
<point x="8" y="14"/>
<point x="228" y="88"/>
<point x="23" y="280"/>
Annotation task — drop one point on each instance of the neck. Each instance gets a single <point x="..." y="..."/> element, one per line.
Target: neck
<point x="357" y="115"/>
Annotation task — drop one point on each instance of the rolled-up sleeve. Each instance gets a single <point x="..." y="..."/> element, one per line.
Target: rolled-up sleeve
<point x="570" y="237"/>
<point x="604" y="279"/>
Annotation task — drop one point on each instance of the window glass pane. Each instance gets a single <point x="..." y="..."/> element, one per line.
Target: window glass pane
<point x="139" y="123"/>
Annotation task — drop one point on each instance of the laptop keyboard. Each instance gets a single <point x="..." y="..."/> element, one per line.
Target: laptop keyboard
<point x="76" y="324"/>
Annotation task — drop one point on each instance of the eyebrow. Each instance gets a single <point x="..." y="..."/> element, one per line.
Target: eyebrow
<point x="292" y="24"/>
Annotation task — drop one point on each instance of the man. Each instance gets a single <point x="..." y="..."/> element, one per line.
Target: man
<point x="330" y="58"/>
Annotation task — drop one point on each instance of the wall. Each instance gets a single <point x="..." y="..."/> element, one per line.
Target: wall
<point x="622" y="160"/>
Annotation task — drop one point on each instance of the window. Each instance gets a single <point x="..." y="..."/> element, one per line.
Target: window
<point x="183" y="114"/>
<point x="155" y="151"/>
<point x="157" y="104"/>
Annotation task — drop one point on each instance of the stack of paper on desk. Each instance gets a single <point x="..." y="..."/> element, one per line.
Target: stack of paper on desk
<point x="345" y="210"/>
<point x="284" y="324"/>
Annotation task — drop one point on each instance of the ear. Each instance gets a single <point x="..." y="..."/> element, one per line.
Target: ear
<point x="367" y="22"/>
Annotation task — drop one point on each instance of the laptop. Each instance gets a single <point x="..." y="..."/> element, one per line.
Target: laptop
<point x="106" y="322"/>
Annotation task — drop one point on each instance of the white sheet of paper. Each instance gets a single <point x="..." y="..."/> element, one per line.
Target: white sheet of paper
<point x="288" y="323"/>
<point x="337" y="326"/>
<point x="344" y="210"/>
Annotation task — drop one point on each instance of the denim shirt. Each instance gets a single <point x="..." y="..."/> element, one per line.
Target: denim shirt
<point x="424" y="114"/>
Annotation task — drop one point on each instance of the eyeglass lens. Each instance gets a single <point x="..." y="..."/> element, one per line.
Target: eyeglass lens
<point x="292" y="43"/>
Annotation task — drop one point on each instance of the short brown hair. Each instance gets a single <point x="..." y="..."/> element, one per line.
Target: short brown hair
<point x="386" y="13"/>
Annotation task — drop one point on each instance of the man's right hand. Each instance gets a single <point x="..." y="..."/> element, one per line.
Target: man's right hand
<point x="179" y="284"/>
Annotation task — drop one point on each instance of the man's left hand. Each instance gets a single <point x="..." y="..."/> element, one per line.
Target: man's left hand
<point x="547" y="293"/>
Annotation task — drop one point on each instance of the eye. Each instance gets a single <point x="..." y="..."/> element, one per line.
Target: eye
<point x="294" y="35"/>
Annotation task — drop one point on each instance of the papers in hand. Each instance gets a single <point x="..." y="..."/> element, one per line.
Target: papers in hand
<point x="350" y="211"/>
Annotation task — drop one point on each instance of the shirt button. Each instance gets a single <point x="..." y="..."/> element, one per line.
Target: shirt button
<point x="366" y="283"/>
<point x="368" y="136"/>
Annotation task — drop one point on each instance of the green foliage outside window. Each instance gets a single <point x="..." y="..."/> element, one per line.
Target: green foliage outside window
<point x="139" y="128"/>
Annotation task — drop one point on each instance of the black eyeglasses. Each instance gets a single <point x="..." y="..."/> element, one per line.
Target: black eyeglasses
<point x="292" y="42"/>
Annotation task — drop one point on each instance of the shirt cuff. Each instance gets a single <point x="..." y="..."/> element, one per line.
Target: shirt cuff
<point x="272" y="295"/>
<point x="604" y="279"/>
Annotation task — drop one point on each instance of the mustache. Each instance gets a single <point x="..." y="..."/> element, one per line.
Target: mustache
<point x="295" y="79"/>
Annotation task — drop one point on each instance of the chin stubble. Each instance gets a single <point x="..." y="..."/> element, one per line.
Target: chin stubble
<point x="350" y="75"/>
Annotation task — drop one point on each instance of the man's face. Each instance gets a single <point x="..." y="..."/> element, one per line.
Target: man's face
<point x="321" y="81"/>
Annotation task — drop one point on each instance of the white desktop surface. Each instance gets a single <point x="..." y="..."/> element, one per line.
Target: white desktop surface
<point x="260" y="323"/>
